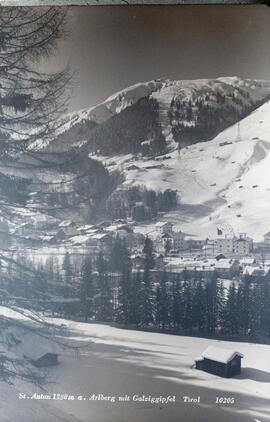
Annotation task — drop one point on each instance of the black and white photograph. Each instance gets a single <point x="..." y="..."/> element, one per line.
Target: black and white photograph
<point x="135" y="213"/>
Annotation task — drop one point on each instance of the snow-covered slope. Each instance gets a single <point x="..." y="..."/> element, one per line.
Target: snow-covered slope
<point x="115" y="362"/>
<point x="180" y="104"/>
<point x="225" y="180"/>
<point x="221" y="175"/>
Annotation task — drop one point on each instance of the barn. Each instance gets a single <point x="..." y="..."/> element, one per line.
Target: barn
<point x="220" y="361"/>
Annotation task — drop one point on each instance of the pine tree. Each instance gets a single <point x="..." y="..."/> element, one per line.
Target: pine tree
<point x="256" y="309"/>
<point x="135" y="292"/>
<point x="67" y="268"/>
<point x="214" y="303"/>
<point x="31" y="101"/>
<point x="265" y="318"/>
<point x="125" y="293"/>
<point x="117" y="255"/>
<point x="167" y="247"/>
<point x="244" y="305"/>
<point x="162" y="303"/>
<point x="87" y="290"/>
<point x="230" y="323"/>
<point x="146" y="291"/>
<point x="187" y="301"/>
<point x="177" y="314"/>
<point x="199" y="306"/>
<point x="104" y="299"/>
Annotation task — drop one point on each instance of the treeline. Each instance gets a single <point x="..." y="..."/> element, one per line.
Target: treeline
<point x="203" y="118"/>
<point x="139" y="203"/>
<point x="125" y="132"/>
<point x="107" y="289"/>
<point x="110" y="291"/>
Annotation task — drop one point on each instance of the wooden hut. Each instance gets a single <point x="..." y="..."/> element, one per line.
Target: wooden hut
<point x="49" y="359"/>
<point x="220" y="361"/>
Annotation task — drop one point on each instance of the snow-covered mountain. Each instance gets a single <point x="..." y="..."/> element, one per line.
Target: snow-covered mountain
<point x="150" y="117"/>
<point x="207" y="139"/>
<point x="221" y="182"/>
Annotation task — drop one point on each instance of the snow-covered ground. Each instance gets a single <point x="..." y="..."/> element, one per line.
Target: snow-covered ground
<point x="223" y="181"/>
<point x="113" y="362"/>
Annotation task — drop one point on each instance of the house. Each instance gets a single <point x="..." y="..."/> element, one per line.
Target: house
<point x="48" y="239"/>
<point x="43" y="221"/>
<point x="232" y="245"/>
<point x="164" y="227"/>
<point x="243" y="245"/>
<point x="60" y="235"/>
<point x="69" y="227"/>
<point x="49" y="359"/>
<point x="24" y="229"/>
<point x="255" y="270"/>
<point x="267" y="238"/>
<point x="227" y="267"/>
<point x="84" y="229"/>
<point x="178" y="240"/>
<point x="209" y="248"/>
<point x="224" y="245"/>
<point x="220" y="361"/>
<point x="192" y="243"/>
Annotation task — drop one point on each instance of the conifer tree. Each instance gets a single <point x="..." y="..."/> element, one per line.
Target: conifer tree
<point x="104" y="300"/>
<point x="146" y="291"/>
<point x="187" y="300"/>
<point x="87" y="291"/>
<point x="244" y="305"/>
<point x="162" y="303"/>
<point x="67" y="268"/>
<point x="125" y="293"/>
<point x="117" y="255"/>
<point x="230" y="323"/>
<point x="199" y="306"/>
<point x="214" y="303"/>
<point x="176" y="303"/>
<point x="265" y="318"/>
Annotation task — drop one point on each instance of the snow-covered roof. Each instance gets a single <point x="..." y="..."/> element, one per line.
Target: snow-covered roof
<point x="254" y="270"/>
<point x="224" y="263"/>
<point x="66" y="223"/>
<point x="219" y="354"/>
<point x="163" y="223"/>
<point x="85" y="227"/>
<point x="100" y="236"/>
<point x="80" y="239"/>
<point x="247" y="260"/>
<point x="47" y="238"/>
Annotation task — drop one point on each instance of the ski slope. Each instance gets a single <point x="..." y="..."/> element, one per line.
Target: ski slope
<point x="225" y="180"/>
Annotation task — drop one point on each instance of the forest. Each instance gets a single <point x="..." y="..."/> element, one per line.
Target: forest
<point x="108" y="289"/>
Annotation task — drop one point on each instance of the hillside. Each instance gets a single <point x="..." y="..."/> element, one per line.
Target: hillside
<point x="154" y="116"/>
<point x="222" y="181"/>
<point x="206" y="140"/>
<point x="105" y="360"/>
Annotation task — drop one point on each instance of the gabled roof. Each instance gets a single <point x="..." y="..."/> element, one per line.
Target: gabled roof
<point x="67" y="223"/>
<point x="163" y="223"/>
<point x="219" y="354"/>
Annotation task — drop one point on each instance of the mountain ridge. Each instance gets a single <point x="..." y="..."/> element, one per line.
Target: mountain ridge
<point x="162" y="136"/>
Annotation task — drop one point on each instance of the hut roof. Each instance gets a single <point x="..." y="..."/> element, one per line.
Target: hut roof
<point x="220" y="355"/>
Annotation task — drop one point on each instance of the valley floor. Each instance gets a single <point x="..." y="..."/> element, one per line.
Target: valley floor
<point x="117" y="362"/>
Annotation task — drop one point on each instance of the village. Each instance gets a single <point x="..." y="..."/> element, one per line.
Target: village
<point x="227" y="254"/>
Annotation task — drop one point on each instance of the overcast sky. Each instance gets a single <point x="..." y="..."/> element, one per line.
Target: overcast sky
<point x="114" y="47"/>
